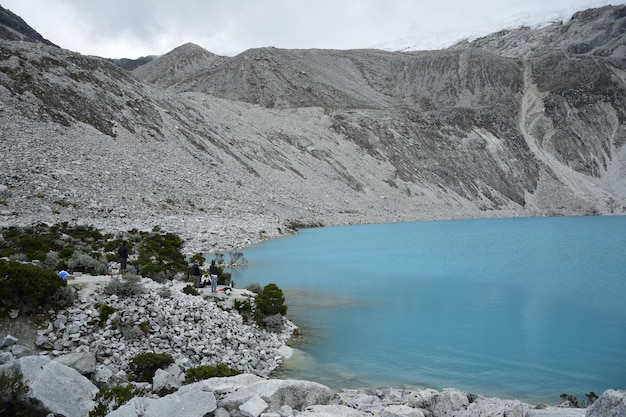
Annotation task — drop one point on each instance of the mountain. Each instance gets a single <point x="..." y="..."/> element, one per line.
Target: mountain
<point x="230" y="150"/>
<point x="13" y="27"/>
<point x="131" y="64"/>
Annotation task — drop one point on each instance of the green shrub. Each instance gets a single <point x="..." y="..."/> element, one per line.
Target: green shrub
<point x="160" y="252"/>
<point x="144" y="365"/>
<point x="11" y="386"/>
<point x="244" y="308"/>
<point x="273" y="323"/>
<point x="52" y="261"/>
<point x="113" y="245"/>
<point x="127" y="287"/>
<point x="26" y="286"/>
<point x="84" y="233"/>
<point x="109" y="399"/>
<point x="224" y="278"/>
<point x="271" y="301"/>
<point x="82" y="262"/>
<point x="590" y="398"/>
<point x="19" y="257"/>
<point x="202" y="372"/>
<point x="190" y="290"/>
<point x="105" y="311"/>
<point x="67" y="251"/>
<point x="63" y="297"/>
<point x="198" y="257"/>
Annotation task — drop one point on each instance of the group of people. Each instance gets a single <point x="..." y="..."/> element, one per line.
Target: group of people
<point x="197" y="276"/>
<point x="123" y="252"/>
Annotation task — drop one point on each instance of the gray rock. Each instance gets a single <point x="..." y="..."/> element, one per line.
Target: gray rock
<point x="448" y="402"/>
<point x="84" y="363"/>
<point x="189" y="401"/>
<point x="333" y="410"/>
<point x="102" y="375"/>
<point x="294" y="393"/>
<point x="165" y="382"/>
<point x="253" y="407"/>
<point x="20" y="351"/>
<point x="285" y="411"/>
<point x="43" y="342"/>
<point x="232" y="383"/>
<point x="557" y="412"/>
<point x="6" y="357"/>
<point x="611" y="403"/>
<point x="8" y="368"/>
<point x="8" y="341"/>
<point x="402" y="411"/>
<point x="55" y="387"/>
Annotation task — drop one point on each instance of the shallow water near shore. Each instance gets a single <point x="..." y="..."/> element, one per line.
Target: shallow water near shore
<point x="524" y="308"/>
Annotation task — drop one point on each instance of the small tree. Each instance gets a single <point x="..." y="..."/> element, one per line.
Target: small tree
<point x="11" y="387"/>
<point x="271" y="301"/>
<point x="198" y="257"/>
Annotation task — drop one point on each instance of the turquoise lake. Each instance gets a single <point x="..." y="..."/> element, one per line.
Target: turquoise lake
<point x="524" y="308"/>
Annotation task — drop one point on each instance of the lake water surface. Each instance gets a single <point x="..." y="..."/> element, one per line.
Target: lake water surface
<point x="524" y="308"/>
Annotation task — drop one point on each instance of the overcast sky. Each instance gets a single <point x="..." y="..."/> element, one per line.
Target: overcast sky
<point x="134" y="28"/>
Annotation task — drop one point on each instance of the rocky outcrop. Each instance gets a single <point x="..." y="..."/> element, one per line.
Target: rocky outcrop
<point x="68" y="393"/>
<point x="55" y="387"/>
<point x="192" y="330"/>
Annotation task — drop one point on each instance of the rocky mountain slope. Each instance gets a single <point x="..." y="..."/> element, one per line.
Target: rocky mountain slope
<point x="229" y="150"/>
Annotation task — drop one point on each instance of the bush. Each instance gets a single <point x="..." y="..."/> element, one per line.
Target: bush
<point x="271" y="301"/>
<point x="572" y="401"/>
<point x="63" y="297"/>
<point x="160" y="252"/>
<point x="52" y="261"/>
<point x="144" y="365"/>
<point x="127" y="287"/>
<point x="198" y="257"/>
<point x="26" y="286"/>
<point x="273" y="323"/>
<point x="109" y="399"/>
<point x="105" y="311"/>
<point x="82" y="262"/>
<point x="224" y="278"/>
<point x="200" y="373"/>
<point x="190" y="290"/>
<point x="156" y="272"/>
<point x="244" y="308"/>
<point x="11" y="387"/>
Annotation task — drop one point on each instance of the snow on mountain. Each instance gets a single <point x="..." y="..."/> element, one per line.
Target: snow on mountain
<point x="516" y="18"/>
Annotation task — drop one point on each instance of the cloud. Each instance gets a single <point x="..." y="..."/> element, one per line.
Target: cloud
<point x="133" y="28"/>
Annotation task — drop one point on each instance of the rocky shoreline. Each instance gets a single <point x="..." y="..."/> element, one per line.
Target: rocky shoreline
<point x="73" y="354"/>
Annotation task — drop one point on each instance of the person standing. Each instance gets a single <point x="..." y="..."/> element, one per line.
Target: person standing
<point x="197" y="275"/>
<point x="213" y="273"/>
<point x="122" y="251"/>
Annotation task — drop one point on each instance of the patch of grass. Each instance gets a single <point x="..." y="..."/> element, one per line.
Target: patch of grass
<point x="203" y="372"/>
